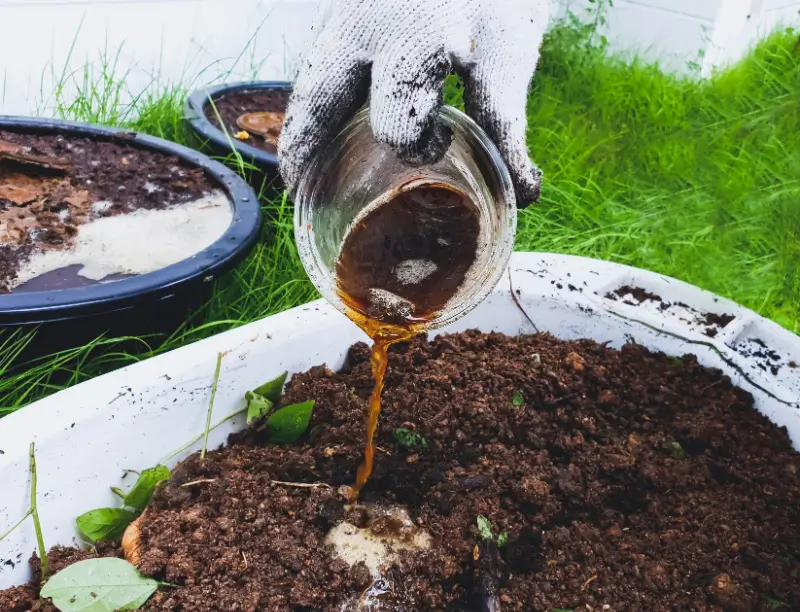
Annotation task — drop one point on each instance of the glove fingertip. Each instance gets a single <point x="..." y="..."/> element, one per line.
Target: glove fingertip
<point x="527" y="185"/>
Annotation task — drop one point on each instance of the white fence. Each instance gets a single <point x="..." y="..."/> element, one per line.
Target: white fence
<point x="691" y="34"/>
<point x="47" y="44"/>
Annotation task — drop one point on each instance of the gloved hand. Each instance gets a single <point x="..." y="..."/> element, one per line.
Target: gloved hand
<point x="408" y="47"/>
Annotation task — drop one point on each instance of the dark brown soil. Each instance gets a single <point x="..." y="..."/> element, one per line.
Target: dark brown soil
<point x="710" y="318"/>
<point x="626" y="481"/>
<point x="715" y="322"/>
<point x="638" y="294"/>
<point x="49" y="183"/>
<point x="232" y="106"/>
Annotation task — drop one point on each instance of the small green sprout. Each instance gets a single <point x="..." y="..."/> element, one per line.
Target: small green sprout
<point x="676" y="451"/>
<point x="518" y="399"/>
<point x="409" y="439"/>
<point x="485" y="529"/>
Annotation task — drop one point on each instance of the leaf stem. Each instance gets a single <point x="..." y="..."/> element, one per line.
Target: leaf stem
<point x="211" y="407"/>
<point x="200" y="436"/>
<point x="15" y="525"/>
<point x="37" y="527"/>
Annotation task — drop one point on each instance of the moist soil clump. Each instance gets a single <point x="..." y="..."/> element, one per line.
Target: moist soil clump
<point x="231" y="107"/>
<point x="52" y="184"/>
<point x="720" y="320"/>
<point x="637" y="293"/>
<point x="623" y="480"/>
<point x="715" y="322"/>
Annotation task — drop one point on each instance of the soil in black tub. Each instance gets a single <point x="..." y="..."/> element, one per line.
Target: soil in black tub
<point x="265" y="108"/>
<point x="77" y="211"/>
<point x="624" y="480"/>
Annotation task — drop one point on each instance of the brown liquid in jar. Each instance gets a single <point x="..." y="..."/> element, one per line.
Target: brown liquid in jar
<point x="398" y="267"/>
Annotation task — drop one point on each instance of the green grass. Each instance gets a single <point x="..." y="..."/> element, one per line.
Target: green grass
<point x="697" y="180"/>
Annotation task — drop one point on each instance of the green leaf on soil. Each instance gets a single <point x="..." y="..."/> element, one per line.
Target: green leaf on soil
<point x="518" y="399"/>
<point x="774" y="604"/>
<point x="485" y="528"/>
<point x="286" y="425"/>
<point x="258" y="407"/>
<point x="409" y="439"/>
<point x="676" y="451"/>
<point x="502" y="539"/>
<point x="141" y="493"/>
<point x="104" y="523"/>
<point x="273" y="390"/>
<point x="99" y="585"/>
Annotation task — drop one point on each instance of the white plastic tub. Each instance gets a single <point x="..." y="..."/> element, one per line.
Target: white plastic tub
<point x="88" y="436"/>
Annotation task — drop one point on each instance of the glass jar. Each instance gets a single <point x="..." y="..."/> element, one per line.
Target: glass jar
<point x="354" y="171"/>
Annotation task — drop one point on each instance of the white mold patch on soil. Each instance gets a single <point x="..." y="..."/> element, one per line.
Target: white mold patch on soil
<point x="139" y="242"/>
<point x="375" y="545"/>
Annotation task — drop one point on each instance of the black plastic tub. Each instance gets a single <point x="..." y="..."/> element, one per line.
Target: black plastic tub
<point x="157" y="301"/>
<point x="198" y="105"/>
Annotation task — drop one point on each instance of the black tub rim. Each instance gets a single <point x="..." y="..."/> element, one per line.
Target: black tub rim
<point x="229" y="249"/>
<point x="194" y="113"/>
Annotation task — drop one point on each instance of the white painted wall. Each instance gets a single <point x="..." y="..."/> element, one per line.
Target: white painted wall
<point x="47" y="42"/>
<point x="44" y="43"/>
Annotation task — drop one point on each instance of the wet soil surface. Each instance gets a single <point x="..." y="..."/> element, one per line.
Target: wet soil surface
<point x="232" y="106"/>
<point x="51" y="184"/>
<point x="625" y="481"/>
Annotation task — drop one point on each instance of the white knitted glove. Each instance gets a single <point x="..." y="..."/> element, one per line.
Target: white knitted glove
<point x="408" y="47"/>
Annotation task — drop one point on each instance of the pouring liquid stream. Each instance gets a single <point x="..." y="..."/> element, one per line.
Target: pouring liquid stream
<point x="399" y="266"/>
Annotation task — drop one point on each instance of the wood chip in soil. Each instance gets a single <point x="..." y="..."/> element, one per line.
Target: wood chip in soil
<point x="50" y="185"/>
<point x="625" y="480"/>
